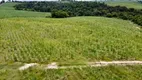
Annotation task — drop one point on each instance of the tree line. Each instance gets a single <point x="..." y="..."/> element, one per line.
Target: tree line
<point x="140" y="1"/>
<point x="70" y="9"/>
<point x="2" y="2"/>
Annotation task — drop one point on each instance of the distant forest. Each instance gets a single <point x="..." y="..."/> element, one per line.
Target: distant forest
<point x="70" y="9"/>
<point x="140" y="1"/>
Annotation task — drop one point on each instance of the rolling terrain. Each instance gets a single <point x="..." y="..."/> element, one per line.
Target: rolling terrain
<point x="128" y="4"/>
<point x="7" y="11"/>
<point x="29" y="37"/>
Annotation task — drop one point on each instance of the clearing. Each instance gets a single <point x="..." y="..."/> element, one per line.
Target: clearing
<point x="128" y="4"/>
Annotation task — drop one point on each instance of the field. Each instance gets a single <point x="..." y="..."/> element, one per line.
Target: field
<point x="69" y="40"/>
<point x="99" y="73"/>
<point x="29" y="37"/>
<point x="125" y="3"/>
<point x="7" y="11"/>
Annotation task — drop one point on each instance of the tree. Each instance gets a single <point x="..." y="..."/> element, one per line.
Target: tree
<point x="3" y="1"/>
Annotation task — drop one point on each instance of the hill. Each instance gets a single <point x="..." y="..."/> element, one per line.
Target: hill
<point x="128" y="4"/>
<point x="7" y="11"/>
<point x="29" y="37"/>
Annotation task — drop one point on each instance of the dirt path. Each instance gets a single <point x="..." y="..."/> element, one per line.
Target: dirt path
<point x="95" y="64"/>
<point x="89" y="64"/>
<point x="26" y="66"/>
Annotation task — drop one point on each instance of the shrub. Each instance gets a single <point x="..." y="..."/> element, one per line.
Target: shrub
<point x="109" y="15"/>
<point x="59" y="14"/>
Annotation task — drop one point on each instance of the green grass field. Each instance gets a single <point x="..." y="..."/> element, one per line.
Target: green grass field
<point x="27" y="37"/>
<point x="104" y="73"/>
<point x="128" y="4"/>
<point x="98" y="73"/>
<point x="7" y="11"/>
<point x="67" y="40"/>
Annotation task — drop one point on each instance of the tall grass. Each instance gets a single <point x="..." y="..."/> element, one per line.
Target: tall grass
<point x="69" y="40"/>
<point x="98" y="73"/>
<point x="102" y="73"/>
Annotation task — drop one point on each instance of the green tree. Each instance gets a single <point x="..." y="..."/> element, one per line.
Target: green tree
<point x="3" y="1"/>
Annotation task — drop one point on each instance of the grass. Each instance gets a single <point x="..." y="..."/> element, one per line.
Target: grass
<point x="129" y="4"/>
<point x="69" y="40"/>
<point x="7" y="11"/>
<point x="27" y="36"/>
<point x="98" y="73"/>
<point x="9" y="71"/>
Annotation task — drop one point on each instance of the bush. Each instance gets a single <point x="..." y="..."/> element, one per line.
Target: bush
<point x="59" y="14"/>
<point x="109" y="15"/>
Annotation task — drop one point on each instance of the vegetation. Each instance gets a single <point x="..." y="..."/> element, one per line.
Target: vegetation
<point x="2" y="2"/>
<point x="102" y="73"/>
<point x="128" y="4"/>
<point x="69" y="40"/>
<point x="85" y="9"/>
<point x="27" y="37"/>
<point x="59" y="14"/>
<point x="7" y="11"/>
<point x="98" y="73"/>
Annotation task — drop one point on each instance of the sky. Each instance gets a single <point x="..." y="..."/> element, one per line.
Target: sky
<point x="54" y="0"/>
<point x="57" y="0"/>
